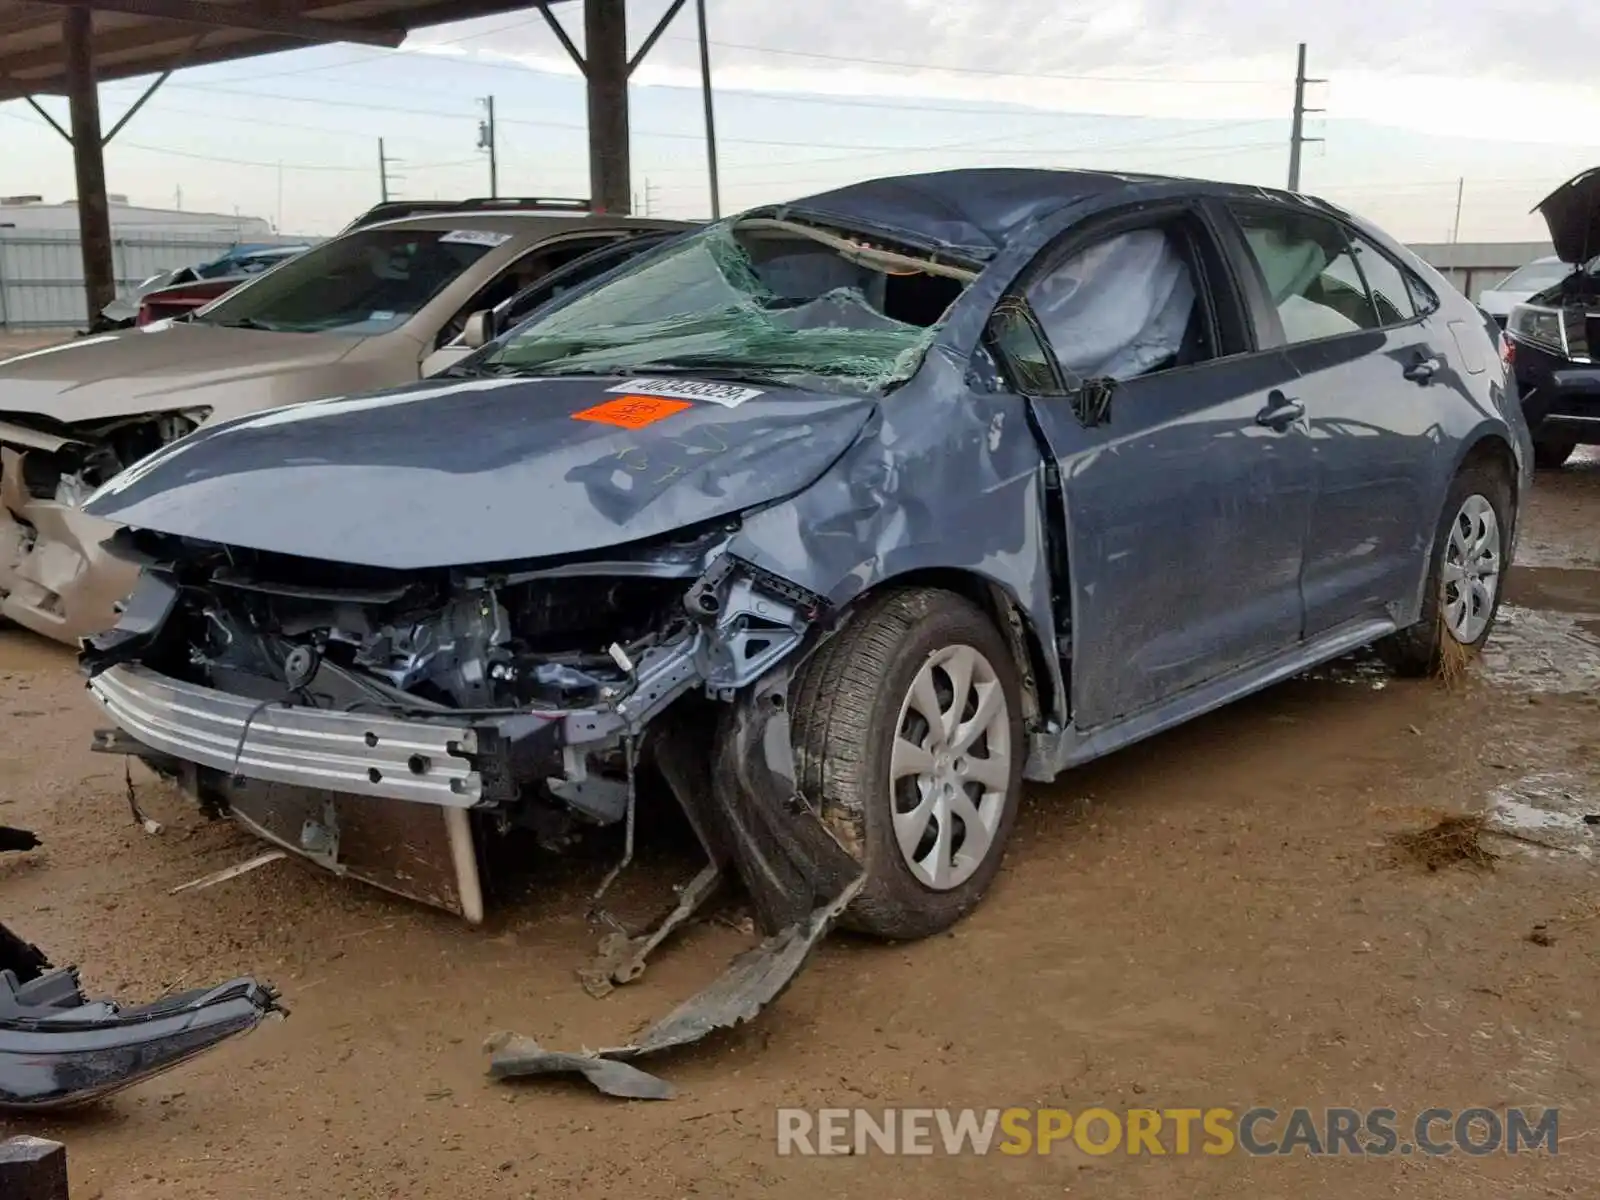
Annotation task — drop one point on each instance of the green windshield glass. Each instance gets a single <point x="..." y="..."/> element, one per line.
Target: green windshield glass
<point x="777" y="304"/>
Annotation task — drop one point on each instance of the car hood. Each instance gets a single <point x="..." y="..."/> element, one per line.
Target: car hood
<point x="1572" y="213"/>
<point x="144" y="370"/>
<point x="464" y="472"/>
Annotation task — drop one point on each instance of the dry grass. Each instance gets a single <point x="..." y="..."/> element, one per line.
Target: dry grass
<point x="1453" y="660"/>
<point x="1453" y="838"/>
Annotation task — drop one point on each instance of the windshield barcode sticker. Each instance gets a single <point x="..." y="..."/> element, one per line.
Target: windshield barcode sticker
<point x="729" y="395"/>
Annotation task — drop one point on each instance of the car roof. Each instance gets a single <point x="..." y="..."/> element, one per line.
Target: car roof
<point x="529" y="224"/>
<point x="974" y="212"/>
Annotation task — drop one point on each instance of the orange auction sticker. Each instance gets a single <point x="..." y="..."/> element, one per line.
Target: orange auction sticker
<point x="632" y="412"/>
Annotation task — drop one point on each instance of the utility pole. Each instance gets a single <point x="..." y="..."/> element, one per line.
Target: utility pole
<point x="1297" y="137"/>
<point x="383" y="173"/>
<point x="711" y="121"/>
<point x="486" y="142"/>
<point x="1455" y="230"/>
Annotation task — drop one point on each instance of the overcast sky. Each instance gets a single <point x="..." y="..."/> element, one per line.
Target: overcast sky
<point x="1420" y="94"/>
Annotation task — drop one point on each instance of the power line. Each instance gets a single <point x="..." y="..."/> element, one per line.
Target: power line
<point x="835" y="179"/>
<point x="1008" y="109"/>
<point x="237" y="162"/>
<point x="986" y="71"/>
<point x="323" y="101"/>
<point x="989" y="146"/>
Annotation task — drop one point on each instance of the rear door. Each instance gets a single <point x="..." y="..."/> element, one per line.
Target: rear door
<point x="1182" y="472"/>
<point x="1356" y="326"/>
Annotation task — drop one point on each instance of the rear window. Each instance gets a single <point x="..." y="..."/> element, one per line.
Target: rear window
<point x="1534" y="277"/>
<point x="361" y="284"/>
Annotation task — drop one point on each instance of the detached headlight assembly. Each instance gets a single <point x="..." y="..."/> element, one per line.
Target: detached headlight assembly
<point x="1540" y="326"/>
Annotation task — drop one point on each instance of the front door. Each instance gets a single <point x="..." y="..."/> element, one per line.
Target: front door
<point x="1186" y="496"/>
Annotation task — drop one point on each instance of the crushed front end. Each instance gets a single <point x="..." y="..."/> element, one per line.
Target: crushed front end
<point x="54" y="577"/>
<point x="385" y="724"/>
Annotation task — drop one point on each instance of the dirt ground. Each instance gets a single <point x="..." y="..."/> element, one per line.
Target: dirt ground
<point x="1214" y="917"/>
<point x="18" y="343"/>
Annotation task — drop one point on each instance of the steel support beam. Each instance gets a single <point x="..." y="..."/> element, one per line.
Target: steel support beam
<point x="48" y="119"/>
<point x="197" y="12"/>
<point x="561" y="36"/>
<point x="605" y="29"/>
<point x="152" y="89"/>
<point x="94" y="213"/>
<point x="655" y="35"/>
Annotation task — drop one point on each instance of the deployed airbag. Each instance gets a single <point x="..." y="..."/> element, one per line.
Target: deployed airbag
<point x="1119" y="308"/>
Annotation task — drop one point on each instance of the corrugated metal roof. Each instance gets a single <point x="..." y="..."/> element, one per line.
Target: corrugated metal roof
<point x="144" y="37"/>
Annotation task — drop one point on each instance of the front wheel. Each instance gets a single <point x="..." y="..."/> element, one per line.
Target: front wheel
<point x="908" y="734"/>
<point x="1465" y="574"/>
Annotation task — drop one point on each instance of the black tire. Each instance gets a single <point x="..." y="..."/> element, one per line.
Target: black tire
<point x="846" y="703"/>
<point x="1429" y="647"/>
<point x="1551" y="454"/>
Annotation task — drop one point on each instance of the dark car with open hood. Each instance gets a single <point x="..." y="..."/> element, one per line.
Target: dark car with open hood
<point x="1553" y="339"/>
<point x="842" y="517"/>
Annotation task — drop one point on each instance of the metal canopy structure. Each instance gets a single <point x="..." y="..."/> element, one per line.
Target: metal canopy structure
<point x="69" y="47"/>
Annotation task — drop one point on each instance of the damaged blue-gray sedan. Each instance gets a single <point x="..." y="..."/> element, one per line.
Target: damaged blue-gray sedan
<point x="847" y="515"/>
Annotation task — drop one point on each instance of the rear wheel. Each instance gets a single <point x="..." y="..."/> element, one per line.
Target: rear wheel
<point x="1464" y="576"/>
<point x="1550" y="454"/>
<point x="908" y="733"/>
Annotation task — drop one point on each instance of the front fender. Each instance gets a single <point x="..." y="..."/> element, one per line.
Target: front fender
<point x="950" y="479"/>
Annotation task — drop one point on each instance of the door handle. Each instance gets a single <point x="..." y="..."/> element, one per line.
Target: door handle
<point x="1424" y="369"/>
<point x="1280" y="412"/>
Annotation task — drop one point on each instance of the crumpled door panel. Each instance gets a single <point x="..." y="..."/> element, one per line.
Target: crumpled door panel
<point x="59" y="1049"/>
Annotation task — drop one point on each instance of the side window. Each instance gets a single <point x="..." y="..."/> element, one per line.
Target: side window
<point x="521" y="273"/>
<point x="1123" y="307"/>
<point x="1422" y="296"/>
<point x="1390" y="290"/>
<point x="1311" y="276"/>
<point x="593" y="266"/>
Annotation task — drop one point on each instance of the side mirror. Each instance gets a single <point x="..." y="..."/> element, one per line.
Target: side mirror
<point x="479" y="330"/>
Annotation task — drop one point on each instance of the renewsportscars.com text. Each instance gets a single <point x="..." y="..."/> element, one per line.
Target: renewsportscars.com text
<point x="1258" y="1132"/>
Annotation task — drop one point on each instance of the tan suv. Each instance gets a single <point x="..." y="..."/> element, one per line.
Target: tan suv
<point x="375" y="307"/>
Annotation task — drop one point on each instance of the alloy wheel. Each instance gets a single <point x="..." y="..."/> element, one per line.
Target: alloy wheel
<point x="950" y="770"/>
<point x="1471" y="570"/>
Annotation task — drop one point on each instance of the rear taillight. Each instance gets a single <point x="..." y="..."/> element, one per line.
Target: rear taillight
<point x="1508" y="350"/>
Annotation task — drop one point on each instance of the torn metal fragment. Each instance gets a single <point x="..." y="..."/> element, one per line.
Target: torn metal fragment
<point x="622" y="958"/>
<point x="515" y="1055"/>
<point x="752" y="981"/>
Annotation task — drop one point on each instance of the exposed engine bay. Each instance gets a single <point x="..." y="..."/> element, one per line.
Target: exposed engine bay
<point x="388" y="724"/>
<point x="544" y="685"/>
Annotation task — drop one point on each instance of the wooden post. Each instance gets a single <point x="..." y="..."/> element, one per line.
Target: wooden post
<point x="32" y="1168"/>
<point x="88" y="154"/>
<point x="606" y="64"/>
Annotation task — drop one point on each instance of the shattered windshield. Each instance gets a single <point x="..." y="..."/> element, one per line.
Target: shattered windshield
<point x="761" y="298"/>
